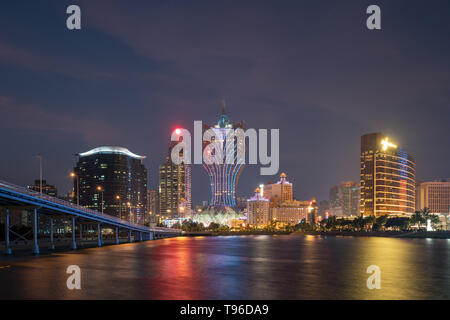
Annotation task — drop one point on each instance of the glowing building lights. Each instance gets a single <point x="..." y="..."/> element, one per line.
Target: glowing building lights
<point x="174" y="186"/>
<point x="387" y="177"/>
<point x="387" y="144"/>
<point x="258" y="210"/>
<point x="110" y="150"/>
<point x="224" y="176"/>
<point x="107" y="178"/>
<point x="434" y="195"/>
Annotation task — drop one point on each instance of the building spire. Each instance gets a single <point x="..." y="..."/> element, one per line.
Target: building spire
<point x="223" y="106"/>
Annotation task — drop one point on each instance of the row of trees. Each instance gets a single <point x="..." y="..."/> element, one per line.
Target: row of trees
<point x="194" y="226"/>
<point x="417" y="221"/>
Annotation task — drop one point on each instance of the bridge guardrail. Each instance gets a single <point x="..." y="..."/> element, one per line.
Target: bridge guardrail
<point x="74" y="206"/>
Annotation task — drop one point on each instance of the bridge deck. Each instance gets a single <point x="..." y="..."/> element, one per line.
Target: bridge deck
<point x="13" y="195"/>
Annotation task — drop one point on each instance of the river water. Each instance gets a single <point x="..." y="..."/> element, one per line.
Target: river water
<point x="237" y="267"/>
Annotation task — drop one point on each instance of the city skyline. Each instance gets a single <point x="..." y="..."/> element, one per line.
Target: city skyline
<point x="130" y="89"/>
<point x="220" y="155"/>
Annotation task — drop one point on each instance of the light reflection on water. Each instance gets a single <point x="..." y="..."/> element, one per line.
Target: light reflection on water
<point x="240" y="267"/>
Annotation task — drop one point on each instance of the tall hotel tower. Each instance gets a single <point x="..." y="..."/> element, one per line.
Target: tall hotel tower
<point x="434" y="195"/>
<point x="174" y="187"/>
<point x="112" y="180"/>
<point x="387" y="177"/>
<point x="224" y="176"/>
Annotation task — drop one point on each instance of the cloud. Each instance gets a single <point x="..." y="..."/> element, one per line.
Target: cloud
<point x="51" y="63"/>
<point x="16" y="116"/>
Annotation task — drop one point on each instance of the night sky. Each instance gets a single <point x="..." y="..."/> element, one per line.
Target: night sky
<point x="138" y="69"/>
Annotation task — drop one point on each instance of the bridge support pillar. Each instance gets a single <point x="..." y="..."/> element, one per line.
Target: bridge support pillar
<point x="52" y="241"/>
<point x="35" y="232"/>
<point x="150" y="236"/>
<point x="117" y="235"/>
<point x="7" y="243"/>
<point x="140" y="237"/>
<point x="74" y="240"/>
<point x="99" y="233"/>
<point x="81" y="232"/>
<point x="129" y="236"/>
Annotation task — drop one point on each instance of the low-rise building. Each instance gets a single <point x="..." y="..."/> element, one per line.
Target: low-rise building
<point x="291" y="212"/>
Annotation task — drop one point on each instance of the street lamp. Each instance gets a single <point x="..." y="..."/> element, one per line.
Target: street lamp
<point x="120" y="206"/>
<point x="40" y="173"/>
<point x="101" y="190"/>
<point x="73" y="175"/>
<point x="129" y="211"/>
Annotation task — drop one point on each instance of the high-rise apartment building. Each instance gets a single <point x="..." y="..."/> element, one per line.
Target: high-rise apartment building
<point x="434" y="195"/>
<point x="112" y="180"/>
<point x="174" y="187"/>
<point x="345" y="199"/>
<point x="324" y="207"/>
<point x="387" y="177"/>
<point x="152" y="206"/>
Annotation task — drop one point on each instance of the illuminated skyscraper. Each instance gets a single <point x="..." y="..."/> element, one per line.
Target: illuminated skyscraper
<point x="223" y="175"/>
<point x="174" y="188"/>
<point x="114" y="180"/>
<point x="387" y="177"/>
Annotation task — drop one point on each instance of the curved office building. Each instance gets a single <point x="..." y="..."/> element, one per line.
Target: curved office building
<point x="387" y="177"/>
<point x="112" y="180"/>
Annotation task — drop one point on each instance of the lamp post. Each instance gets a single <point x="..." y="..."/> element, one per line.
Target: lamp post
<point x="129" y="211"/>
<point x="101" y="190"/>
<point x="73" y="175"/>
<point x="120" y="206"/>
<point x="40" y="173"/>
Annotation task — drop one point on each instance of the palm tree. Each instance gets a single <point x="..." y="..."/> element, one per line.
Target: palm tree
<point x="369" y="222"/>
<point x="419" y="217"/>
<point x="380" y="222"/>
<point x="434" y="219"/>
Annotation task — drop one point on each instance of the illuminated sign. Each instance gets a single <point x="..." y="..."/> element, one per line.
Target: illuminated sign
<point x="387" y="144"/>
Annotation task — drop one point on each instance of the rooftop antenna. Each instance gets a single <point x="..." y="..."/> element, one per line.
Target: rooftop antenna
<point x="223" y="106"/>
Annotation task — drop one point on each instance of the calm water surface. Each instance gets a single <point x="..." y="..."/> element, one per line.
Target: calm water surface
<point x="237" y="267"/>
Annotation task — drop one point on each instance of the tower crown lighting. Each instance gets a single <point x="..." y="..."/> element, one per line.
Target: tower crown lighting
<point x="387" y="144"/>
